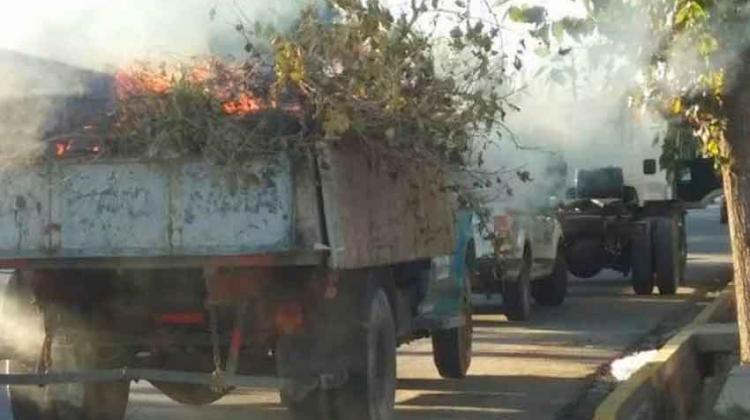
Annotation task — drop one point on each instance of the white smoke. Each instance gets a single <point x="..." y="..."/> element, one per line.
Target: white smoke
<point x="98" y="34"/>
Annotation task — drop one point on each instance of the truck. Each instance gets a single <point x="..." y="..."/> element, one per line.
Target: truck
<point x="519" y="248"/>
<point x="302" y="274"/>
<point x="631" y="218"/>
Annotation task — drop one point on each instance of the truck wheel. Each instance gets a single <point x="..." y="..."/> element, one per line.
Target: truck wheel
<point x="26" y="402"/>
<point x="84" y="401"/>
<point x="667" y="255"/>
<point x="552" y="289"/>
<point x="370" y="392"/>
<point x="451" y="349"/>
<point x="93" y="401"/>
<point x="517" y="296"/>
<point x="641" y="265"/>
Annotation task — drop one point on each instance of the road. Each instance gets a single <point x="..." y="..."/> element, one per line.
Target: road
<point x="533" y="370"/>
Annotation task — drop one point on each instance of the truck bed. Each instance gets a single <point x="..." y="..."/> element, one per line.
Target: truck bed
<point x="357" y="210"/>
<point x="137" y="209"/>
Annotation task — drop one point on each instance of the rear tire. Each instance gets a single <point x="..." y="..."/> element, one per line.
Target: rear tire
<point x="641" y="264"/>
<point x="552" y="289"/>
<point x="26" y="402"/>
<point x="667" y="254"/>
<point x="451" y="349"/>
<point x="370" y="392"/>
<point x="76" y="401"/>
<point x="517" y="296"/>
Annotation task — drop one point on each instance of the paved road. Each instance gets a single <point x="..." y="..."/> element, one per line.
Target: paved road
<point x="520" y="370"/>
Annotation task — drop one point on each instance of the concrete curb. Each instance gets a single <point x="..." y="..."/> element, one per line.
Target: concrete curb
<point x="669" y="383"/>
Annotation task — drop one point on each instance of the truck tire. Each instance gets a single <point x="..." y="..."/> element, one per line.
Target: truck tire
<point x="641" y="266"/>
<point x="667" y="254"/>
<point x="552" y="289"/>
<point x="26" y="402"/>
<point x="93" y="401"/>
<point x="517" y="294"/>
<point x="84" y="401"/>
<point x="370" y="392"/>
<point x="451" y="349"/>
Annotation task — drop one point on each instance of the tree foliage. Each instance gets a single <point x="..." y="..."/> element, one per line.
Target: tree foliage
<point x="393" y="80"/>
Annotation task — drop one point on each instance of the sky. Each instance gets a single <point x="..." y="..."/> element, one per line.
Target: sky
<point x="100" y="33"/>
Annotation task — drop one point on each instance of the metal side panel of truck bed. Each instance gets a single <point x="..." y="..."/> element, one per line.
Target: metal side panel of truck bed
<point x="136" y="209"/>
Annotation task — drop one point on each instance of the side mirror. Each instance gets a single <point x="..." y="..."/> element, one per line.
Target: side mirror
<point x="649" y="166"/>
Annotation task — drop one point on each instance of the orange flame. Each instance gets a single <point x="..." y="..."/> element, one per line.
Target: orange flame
<point x="245" y="104"/>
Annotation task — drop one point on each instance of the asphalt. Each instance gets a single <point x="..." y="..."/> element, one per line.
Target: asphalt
<point x="532" y="370"/>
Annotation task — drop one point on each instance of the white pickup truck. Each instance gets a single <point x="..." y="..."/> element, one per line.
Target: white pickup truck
<point x="519" y="248"/>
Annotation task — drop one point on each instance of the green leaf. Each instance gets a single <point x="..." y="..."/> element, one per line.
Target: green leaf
<point x="558" y="30"/>
<point x="689" y="13"/>
<point x="528" y="14"/>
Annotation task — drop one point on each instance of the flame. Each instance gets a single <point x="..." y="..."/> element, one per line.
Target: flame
<point x="224" y="82"/>
<point x="138" y="81"/>
<point x="245" y="104"/>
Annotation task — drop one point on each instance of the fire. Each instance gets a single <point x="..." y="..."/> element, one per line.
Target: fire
<point x="245" y="104"/>
<point x="223" y="81"/>
<point x="139" y="81"/>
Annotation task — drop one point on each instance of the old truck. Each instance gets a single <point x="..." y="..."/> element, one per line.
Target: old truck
<point x="303" y="274"/>
<point x="632" y="219"/>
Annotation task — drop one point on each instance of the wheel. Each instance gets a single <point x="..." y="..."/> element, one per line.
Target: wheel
<point x="370" y="392"/>
<point x="451" y="349"/>
<point x="667" y="254"/>
<point x="93" y="401"/>
<point x="641" y="263"/>
<point x="83" y="401"/>
<point x="517" y="296"/>
<point x="552" y="289"/>
<point x="26" y="402"/>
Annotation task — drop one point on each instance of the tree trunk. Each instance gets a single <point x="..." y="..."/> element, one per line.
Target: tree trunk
<point x="736" y="175"/>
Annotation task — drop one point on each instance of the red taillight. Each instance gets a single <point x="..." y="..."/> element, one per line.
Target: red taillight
<point x="289" y="318"/>
<point x="181" y="318"/>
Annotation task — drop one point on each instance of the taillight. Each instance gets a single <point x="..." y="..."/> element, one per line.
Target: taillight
<point x="289" y="318"/>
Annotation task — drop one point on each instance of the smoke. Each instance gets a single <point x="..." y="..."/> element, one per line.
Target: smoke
<point x="97" y="34"/>
<point x="574" y="111"/>
<point x="57" y="57"/>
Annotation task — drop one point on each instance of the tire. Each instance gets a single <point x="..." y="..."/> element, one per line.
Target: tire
<point x="452" y="348"/>
<point x="642" y="274"/>
<point x="667" y="254"/>
<point x="92" y="401"/>
<point x="370" y="392"/>
<point x="517" y="296"/>
<point x="552" y="289"/>
<point x="26" y="402"/>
